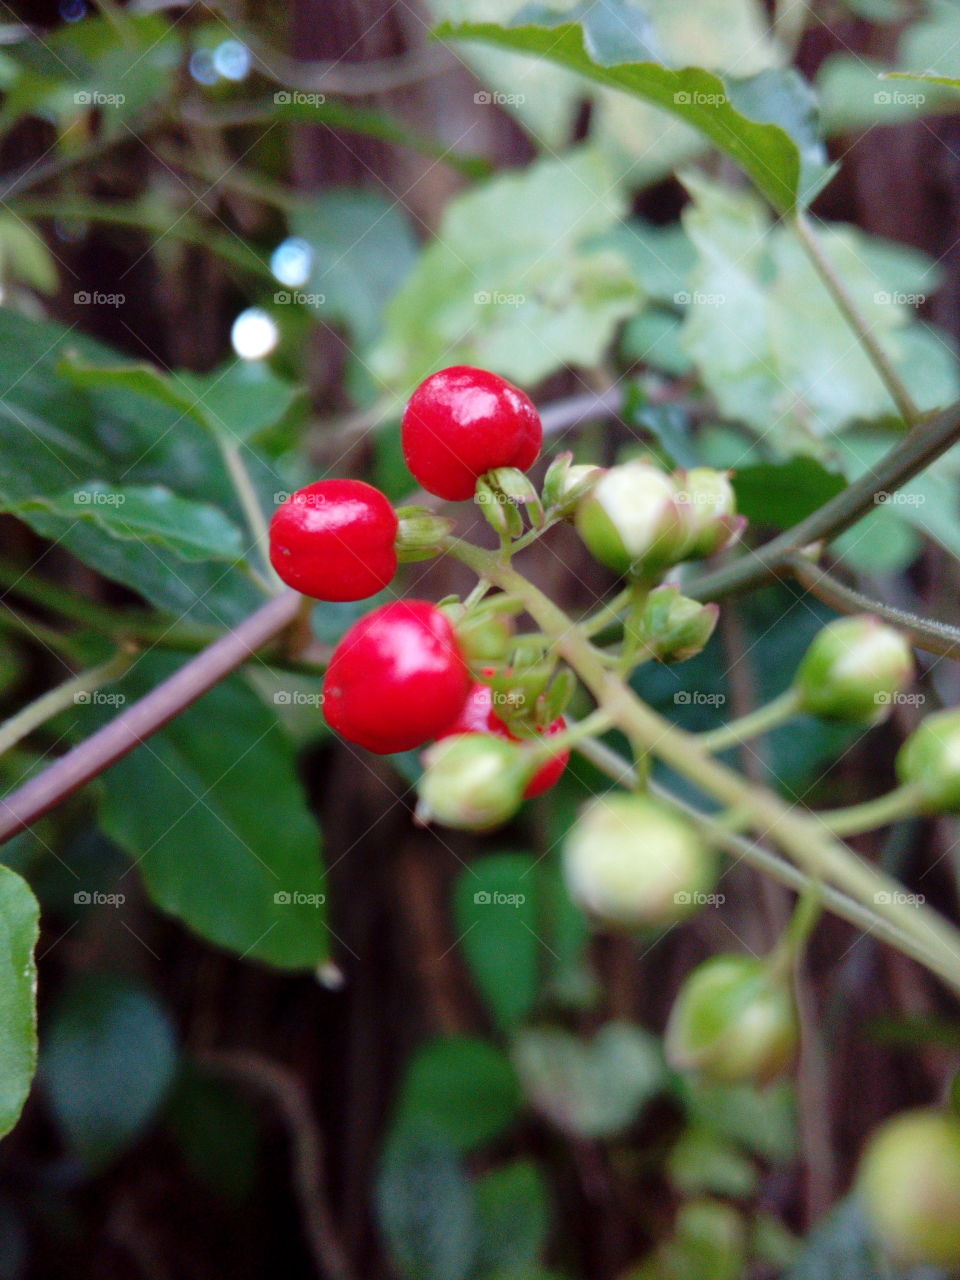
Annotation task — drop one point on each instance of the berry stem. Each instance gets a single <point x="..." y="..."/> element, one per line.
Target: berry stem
<point x="902" y="802"/>
<point x="252" y="511"/>
<point x="753" y="724"/>
<point x="61" y="697"/>
<point x="803" y="838"/>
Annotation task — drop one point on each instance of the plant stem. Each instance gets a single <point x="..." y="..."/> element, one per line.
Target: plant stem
<point x="620" y="770"/>
<point x="848" y="308"/>
<point x="752" y="725"/>
<point x="548" y="748"/>
<point x="137" y="722"/>
<point x="802" y="837"/>
<point x="606" y="615"/>
<point x="902" y="802"/>
<point x="911" y="455"/>
<point x="250" y="503"/>
<point x="934" y="637"/>
<point x="59" y="698"/>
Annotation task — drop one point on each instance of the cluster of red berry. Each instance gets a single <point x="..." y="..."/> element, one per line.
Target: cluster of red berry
<point x="400" y="676"/>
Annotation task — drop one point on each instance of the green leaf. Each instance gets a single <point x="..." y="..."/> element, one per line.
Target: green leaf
<point x="216" y="1128"/>
<point x="243" y="874"/>
<point x="766" y="124"/>
<point x="363" y="246"/>
<point x="840" y="1245"/>
<point x="463" y="1088"/>
<point x="513" y="1218"/>
<point x="496" y="911"/>
<point x="510" y="283"/>
<point x="24" y="256"/>
<point x="426" y="1209"/>
<point x="190" y="530"/>
<point x="107" y="1060"/>
<point x="703" y="1163"/>
<point x="761" y="1121"/>
<point x="779" y="495"/>
<point x="590" y="1089"/>
<point x="19" y="929"/>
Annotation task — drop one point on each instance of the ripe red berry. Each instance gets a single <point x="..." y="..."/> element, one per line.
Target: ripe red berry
<point x="463" y="422"/>
<point x="478" y="716"/>
<point x="397" y="678"/>
<point x="334" y="540"/>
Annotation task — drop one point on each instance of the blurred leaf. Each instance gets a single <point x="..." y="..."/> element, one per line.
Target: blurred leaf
<point x="190" y="530"/>
<point x="589" y="1089"/>
<point x="19" y="929"/>
<point x="670" y="427"/>
<point x="513" y="1218"/>
<point x="496" y="912"/>
<point x="426" y="1208"/>
<point x="854" y="94"/>
<point x="781" y="494"/>
<point x="840" y="1245"/>
<point x="709" y="1243"/>
<point x="216" y="1129"/>
<point x="661" y="258"/>
<point x="914" y="1032"/>
<point x="761" y="1121"/>
<point x="25" y="256"/>
<point x="107" y="1060"/>
<point x="702" y="1162"/>
<point x="767" y="124"/>
<point x="932" y="42"/>
<point x="363" y="247"/>
<point x="243" y="874"/>
<point x="653" y="338"/>
<point x="462" y="1087"/>
<point x="509" y="283"/>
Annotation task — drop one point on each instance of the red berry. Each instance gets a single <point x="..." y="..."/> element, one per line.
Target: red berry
<point x="334" y="540"/>
<point x="397" y="678"/>
<point x="478" y="716"/>
<point x="463" y="422"/>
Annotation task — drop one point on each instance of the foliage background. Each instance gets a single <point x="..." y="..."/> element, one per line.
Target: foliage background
<point x="409" y="1081"/>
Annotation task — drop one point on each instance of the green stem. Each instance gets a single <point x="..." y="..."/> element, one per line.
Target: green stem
<point x="546" y="749"/>
<point x="902" y="802"/>
<point x="806" y="913"/>
<point x="756" y="722"/>
<point x="621" y="771"/>
<point x="802" y="837"/>
<point x="39" y="632"/>
<point x="807" y="235"/>
<point x="607" y="614"/>
<point x="61" y="697"/>
<point x="250" y="504"/>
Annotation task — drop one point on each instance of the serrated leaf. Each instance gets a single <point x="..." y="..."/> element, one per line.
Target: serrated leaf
<point x="765" y="123"/>
<point x="461" y="1087"/>
<point x="19" y="929"/>
<point x="190" y="530"/>
<point x="108" y="1058"/>
<point x="590" y="1089"/>
<point x="243" y="874"/>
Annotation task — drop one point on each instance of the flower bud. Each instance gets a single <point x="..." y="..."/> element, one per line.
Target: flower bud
<point x="631" y="521"/>
<point x="709" y="506"/>
<point x="854" y="669"/>
<point x="930" y="761"/>
<point x="485" y="636"/>
<point x="420" y="533"/>
<point x="566" y="482"/>
<point x="631" y="861"/>
<point x="518" y="489"/>
<point x="909" y="1185"/>
<point x="472" y="781"/>
<point x="673" y="627"/>
<point x="734" y="1021"/>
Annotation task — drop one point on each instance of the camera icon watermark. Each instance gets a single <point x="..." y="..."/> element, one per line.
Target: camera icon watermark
<point x="697" y="899"/>
<point x="484" y="98"/>
<point x="98" y="698"/>
<point x="896" y="897"/>
<point x="697" y="698"/>
<point x="297" y="698"/>
<point x="94" y="898"/>
<point x="86" y="298"/>
<point x="899" y="98"/>
<point x="898" y="699"/>
<point x="494" y="898"/>
<point x="898" y="499"/>
<point x="294" y="898"/>
<point x="297" y="298"/>
<point x="296" y="98"/>
<point x="497" y="298"/>
<point x="98" y="498"/>
<point x="684" y="298"/>
<point x="696" y="98"/>
<point x="896" y="297"/>
<point x="94" y="98"/>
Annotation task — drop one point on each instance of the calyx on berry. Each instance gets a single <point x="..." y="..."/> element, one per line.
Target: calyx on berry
<point x="334" y="540"/>
<point x="397" y="678"/>
<point x="472" y="781"/>
<point x="631" y="520"/>
<point x="480" y="714"/>
<point x="673" y="627"/>
<point x="461" y="423"/>
<point x="630" y="861"/>
<point x="908" y="1183"/>
<point x="854" y="670"/>
<point x="929" y="760"/>
<point x="420" y="533"/>
<point x="733" y="1020"/>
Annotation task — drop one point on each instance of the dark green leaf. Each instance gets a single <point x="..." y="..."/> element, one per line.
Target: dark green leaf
<point x="108" y="1058"/>
<point x="426" y="1208"/>
<point x="19" y="928"/>
<point x="779" y="495"/>
<point x="188" y="807"/>
<point x="513" y="1217"/>
<point x="754" y="132"/>
<point x="216" y="1128"/>
<point x="463" y="1088"/>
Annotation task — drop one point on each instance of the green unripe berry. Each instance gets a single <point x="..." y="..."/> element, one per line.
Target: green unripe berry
<point x="909" y="1185"/>
<point x="854" y="670"/>
<point x="631" y="521"/>
<point x="630" y="861"/>
<point x="734" y="1021"/>
<point x="673" y="627"/>
<point x="472" y="781"/>
<point x="709" y="507"/>
<point x="930" y="761"/>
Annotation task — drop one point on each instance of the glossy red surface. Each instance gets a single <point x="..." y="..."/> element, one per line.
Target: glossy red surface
<point x="463" y="422"/>
<point x="478" y="716"/>
<point x="334" y="540"/>
<point x="396" y="678"/>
